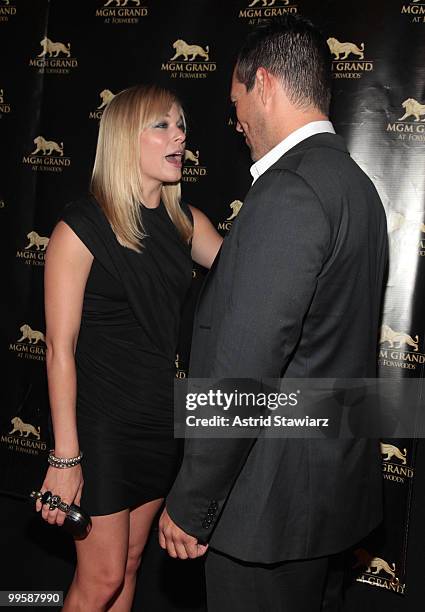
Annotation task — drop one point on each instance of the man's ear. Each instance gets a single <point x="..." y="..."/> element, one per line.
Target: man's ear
<point x="264" y="83"/>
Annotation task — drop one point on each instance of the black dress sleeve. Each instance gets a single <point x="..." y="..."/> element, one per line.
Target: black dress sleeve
<point x="88" y="222"/>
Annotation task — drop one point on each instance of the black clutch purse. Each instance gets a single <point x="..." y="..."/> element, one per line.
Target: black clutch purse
<point x="77" y="522"/>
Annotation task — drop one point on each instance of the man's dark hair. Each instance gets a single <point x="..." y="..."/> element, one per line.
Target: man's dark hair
<point x="292" y="49"/>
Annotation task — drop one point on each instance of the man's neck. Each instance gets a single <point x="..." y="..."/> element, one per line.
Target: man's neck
<point x="286" y="126"/>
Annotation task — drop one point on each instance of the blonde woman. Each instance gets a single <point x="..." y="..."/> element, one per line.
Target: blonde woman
<point x="118" y="266"/>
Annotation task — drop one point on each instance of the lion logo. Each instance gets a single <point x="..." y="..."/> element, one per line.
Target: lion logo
<point x="271" y="3"/>
<point x="377" y="565"/>
<point x="46" y="147"/>
<point x="53" y="48"/>
<point x="106" y="96"/>
<point x="24" y="429"/>
<point x="346" y="48"/>
<point x="185" y="50"/>
<point x="396" y="338"/>
<point x="40" y="242"/>
<point x="374" y="565"/>
<point x="396" y="221"/>
<point x="32" y="335"/>
<point x="236" y="205"/>
<point x="392" y="451"/>
<point x="414" y="109"/>
<point x="1" y="96"/>
<point x="192" y="157"/>
<point x="121" y="2"/>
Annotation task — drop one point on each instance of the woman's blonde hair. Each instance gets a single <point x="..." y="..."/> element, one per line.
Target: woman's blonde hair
<point x="116" y="181"/>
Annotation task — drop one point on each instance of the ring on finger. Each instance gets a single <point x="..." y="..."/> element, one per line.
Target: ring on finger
<point x="54" y="501"/>
<point x="46" y="497"/>
<point x="64" y="507"/>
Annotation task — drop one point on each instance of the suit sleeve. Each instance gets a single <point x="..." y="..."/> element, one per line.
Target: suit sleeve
<point x="283" y="242"/>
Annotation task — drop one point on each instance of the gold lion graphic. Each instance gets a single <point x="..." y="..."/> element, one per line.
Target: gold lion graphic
<point x="374" y="565"/>
<point x="193" y="157"/>
<point x="396" y="221"/>
<point x="47" y="146"/>
<point x="271" y="3"/>
<point x="377" y="565"/>
<point x="50" y="47"/>
<point x="392" y="451"/>
<point x="346" y="48"/>
<point x="24" y="428"/>
<point x="121" y="2"/>
<point x="30" y="334"/>
<point x="182" y="48"/>
<point x="396" y="338"/>
<point x="40" y="242"/>
<point x="413" y="108"/>
<point x="106" y="96"/>
<point x="1" y="96"/>
<point x="236" y="205"/>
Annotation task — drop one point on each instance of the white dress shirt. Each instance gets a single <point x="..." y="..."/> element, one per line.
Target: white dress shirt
<point x="270" y="158"/>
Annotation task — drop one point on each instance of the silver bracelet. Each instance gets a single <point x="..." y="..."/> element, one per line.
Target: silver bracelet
<point x="63" y="462"/>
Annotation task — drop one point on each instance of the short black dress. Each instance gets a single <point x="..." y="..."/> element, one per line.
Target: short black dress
<point x="125" y="358"/>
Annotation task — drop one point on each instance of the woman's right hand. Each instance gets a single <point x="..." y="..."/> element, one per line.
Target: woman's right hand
<point x="65" y="482"/>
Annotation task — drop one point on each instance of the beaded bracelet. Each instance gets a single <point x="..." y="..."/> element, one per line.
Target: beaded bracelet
<point x="62" y="462"/>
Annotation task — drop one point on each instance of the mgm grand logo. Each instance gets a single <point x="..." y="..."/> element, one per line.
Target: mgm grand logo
<point x="31" y="344"/>
<point x="189" y="61"/>
<point x="256" y="10"/>
<point x="121" y="11"/>
<point x="47" y="156"/>
<point x="415" y="9"/>
<point x="180" y="371"/>
<point x="106" y="96"/>
<point x="377" y="571"/>
<point x="4" y="107"/>
<point x="235" y="207"/>
<point x="192" y="169"/>
<point x="34" y="252"/>
<point x="410" y="228"/>
<point x="348" y="59"/>
<point x="54" y="58"/>
<point x="23" y="437"/>
<point x="7" y="10"/>
<point x="394" y="463"/>
<point x="392" y="352"/>
<point x="410" y="126"/>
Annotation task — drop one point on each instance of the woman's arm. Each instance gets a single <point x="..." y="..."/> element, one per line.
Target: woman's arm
<point x="68" y="263"/>
<point x="206" y="240"/>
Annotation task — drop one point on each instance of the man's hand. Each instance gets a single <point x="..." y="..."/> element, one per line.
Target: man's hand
<point x="178" y="543"/>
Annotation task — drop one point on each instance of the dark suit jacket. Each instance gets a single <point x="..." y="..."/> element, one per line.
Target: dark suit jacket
<point x="296" y="293"/>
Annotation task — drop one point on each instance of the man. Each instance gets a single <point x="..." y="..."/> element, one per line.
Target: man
<point x="296" y="293"/>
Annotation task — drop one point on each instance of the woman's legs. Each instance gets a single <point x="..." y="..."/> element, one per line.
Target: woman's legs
<point x="107" y="561"/>
<point x="141" y="519"/>
<point x="101" y="559"/>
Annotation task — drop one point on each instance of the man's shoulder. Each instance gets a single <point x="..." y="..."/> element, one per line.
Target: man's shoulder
<point x="317" y="150"/>
<point x="321" y="163"/>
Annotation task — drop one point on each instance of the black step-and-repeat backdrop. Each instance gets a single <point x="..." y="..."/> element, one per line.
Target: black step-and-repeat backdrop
<point x="63" y="60"/>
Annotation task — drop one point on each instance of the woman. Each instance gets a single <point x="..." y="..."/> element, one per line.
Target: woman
<point x="117" y="270"/>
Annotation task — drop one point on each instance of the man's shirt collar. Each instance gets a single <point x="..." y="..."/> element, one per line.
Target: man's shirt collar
<point x="270" y="158"/>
